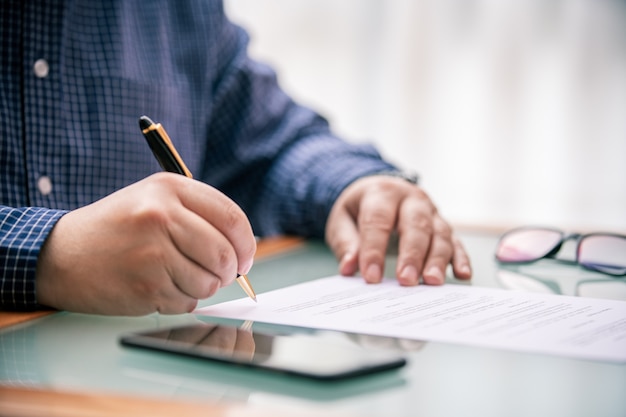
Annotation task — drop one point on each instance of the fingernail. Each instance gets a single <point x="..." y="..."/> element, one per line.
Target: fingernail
<point x="435" y="275"/>
<point x="408" y="275"/>
<point x="373" y="273"/>
<point x="343" y="264"/>
<point x="465" y="270"/>
<point x="347" y="257"/>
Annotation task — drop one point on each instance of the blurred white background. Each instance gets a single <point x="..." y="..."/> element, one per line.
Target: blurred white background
<point x="512" y="111"/>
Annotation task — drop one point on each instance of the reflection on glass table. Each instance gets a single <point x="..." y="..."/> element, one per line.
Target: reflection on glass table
<point x="551" y="277"/>
<point x="553" y="263"/>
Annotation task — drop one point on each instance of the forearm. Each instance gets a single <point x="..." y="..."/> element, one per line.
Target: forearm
<point x="304" y="183"/>
<point x="285" y="167"/>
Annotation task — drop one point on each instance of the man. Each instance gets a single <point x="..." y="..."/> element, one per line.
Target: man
<point x="87" y="225"/>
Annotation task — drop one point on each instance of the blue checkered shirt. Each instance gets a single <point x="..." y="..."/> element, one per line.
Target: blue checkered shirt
<point x="76" y="75"/>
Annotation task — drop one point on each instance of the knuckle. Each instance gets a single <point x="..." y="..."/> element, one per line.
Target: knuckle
<point x="425" y="225"/>
<point x="165" y="179"/>
<point x="439" y="259"/>
<point x="445" y="231"/>
<point x="339" y="246"/>
<point x="417" y="192"/>
<point x="422" y="195"/>
<point x="372" y="255"/>
<point x="226" y="264"/>
<point x="441" y="253"/>
<point x="233" y="215"/>
<point x="147" y="214"/>
<point x="377" y="218"/>
<point x="148" y="290"/>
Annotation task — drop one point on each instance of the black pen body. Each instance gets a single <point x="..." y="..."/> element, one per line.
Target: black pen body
<point x="162" y="147"/>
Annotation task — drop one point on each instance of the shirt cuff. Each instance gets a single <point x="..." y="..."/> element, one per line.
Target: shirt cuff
<point x="23" y="232"/>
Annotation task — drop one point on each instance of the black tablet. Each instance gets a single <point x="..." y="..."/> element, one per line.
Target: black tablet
<point x="322" y="355"/>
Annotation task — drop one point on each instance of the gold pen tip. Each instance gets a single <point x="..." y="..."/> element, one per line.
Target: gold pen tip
<point x="245" y="284"/>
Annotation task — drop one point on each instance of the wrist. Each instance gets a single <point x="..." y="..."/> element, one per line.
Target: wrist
<point x="408" y="176"/>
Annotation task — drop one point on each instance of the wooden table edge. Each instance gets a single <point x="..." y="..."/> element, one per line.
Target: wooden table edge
<point x="34" y="402"/>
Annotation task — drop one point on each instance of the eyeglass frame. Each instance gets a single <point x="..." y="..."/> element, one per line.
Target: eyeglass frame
<point x="578" y="237"/>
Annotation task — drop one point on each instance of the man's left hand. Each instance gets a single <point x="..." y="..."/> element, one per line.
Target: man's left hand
<point x="366" y="214"/>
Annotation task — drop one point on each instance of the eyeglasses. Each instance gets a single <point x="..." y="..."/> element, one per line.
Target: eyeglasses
<point x="602" y="252"/>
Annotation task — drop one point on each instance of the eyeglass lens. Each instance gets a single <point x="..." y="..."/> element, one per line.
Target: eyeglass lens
<point x="527" y="245"/>
<point x="601" y="252"/>
<point x="606" y="253"/>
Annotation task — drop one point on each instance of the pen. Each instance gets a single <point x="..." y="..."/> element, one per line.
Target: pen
<point x="169" y="159"/>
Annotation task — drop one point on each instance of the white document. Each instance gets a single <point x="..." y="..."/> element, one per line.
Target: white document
<point x="586" y="328"/>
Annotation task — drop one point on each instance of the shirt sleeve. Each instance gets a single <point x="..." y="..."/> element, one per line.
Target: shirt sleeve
<point x="286" y="168"/>
<point x="23" y="231"/>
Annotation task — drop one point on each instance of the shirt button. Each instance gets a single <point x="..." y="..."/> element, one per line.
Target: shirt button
<point x="41" y="68"/>
<point x="44" y="185"/>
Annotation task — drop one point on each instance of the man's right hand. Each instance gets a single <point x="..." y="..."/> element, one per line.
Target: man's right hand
<point x="158" y="245"/>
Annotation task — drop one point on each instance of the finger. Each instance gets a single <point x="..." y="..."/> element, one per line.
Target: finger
<point x="153" y="288"/>
<point x="440" y="254"/>
<point x="192" y="279"/>
<point x="217" y="209"/>
<point x="191" y="334"/>
<point x="244" y="345"/>
<point x="206" y="253"/>
<point x="461" y="265"/>
<point x="342" y="237"/>
<point x="168" y="299"/>
<point x="222" y="338"/>
<point x="173" y="282"/>
<point x="376" y="221"/>
<point x="415" y="229"/>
